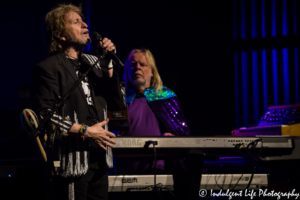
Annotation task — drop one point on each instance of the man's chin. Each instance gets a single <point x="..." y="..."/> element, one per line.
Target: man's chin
<point x="83" y="44"/>
<point x="86" y="42"/>
<point x="138" y="82"/>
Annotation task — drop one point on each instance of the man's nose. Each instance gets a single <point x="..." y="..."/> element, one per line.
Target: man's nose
<point x="84" y="25"/>
<point x="138" y="66"/>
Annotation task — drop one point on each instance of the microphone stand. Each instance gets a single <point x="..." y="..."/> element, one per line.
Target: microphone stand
<point x="55" y="108"/>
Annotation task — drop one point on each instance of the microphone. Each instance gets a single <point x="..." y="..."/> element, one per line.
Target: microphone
<point x="97" y="38"/>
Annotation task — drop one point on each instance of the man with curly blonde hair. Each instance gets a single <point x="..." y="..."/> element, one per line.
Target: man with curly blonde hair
<point x="86" y="143"/>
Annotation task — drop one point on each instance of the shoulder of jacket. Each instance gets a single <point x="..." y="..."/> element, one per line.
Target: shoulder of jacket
<point x="50" y="63"/>
<point x="163" y="93"/>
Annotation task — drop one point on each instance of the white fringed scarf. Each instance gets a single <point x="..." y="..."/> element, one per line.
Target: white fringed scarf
<point x="69" y="169"/>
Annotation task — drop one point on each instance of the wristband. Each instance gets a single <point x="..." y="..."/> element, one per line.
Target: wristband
<point x="110" y="65"/>
<point x="81" y="129"/>
<point x="85" y="129"/>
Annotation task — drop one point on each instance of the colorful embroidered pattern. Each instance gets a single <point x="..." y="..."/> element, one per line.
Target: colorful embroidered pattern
<point x="164" y="93"/>
<point x="151" y="95"/>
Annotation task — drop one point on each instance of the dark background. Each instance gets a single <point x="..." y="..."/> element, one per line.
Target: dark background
<point x="204" y="52"/>
<point x="192" y="42"/>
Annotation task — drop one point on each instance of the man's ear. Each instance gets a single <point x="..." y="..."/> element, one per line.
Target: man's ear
<point x="62" y="38"/>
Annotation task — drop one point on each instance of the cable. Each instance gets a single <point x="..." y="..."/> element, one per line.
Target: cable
<point x="147" y="144"/>
<point x="217" y="181"/>
<point x="172" y="193"/>
<point x="154" y="163"/>
<point x="230" y="181"/>
<point x="254" y="167"/>
<point x="156" y="186"/>
<point x="237" y="181"/>
<point x="254" y="144"/>
<point x="207" y="180"/>
<point x="246" y="148"/>
<point x="224" y="180"/>
<point x="251" y="178"/>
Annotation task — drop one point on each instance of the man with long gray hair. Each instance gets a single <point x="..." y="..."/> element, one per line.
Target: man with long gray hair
<point x="153" y="109"/>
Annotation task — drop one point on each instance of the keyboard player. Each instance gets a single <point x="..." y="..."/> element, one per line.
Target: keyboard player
<point x="154" y="110"/>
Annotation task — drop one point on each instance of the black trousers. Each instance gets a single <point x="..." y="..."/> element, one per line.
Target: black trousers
<point x="91" y="186"/>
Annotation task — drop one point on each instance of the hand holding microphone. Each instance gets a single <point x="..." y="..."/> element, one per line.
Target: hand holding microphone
<point x="108" y="46"/>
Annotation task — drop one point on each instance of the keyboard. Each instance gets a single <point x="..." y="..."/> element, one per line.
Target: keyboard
<point x="124" y="183"/>
<point x="220" y="146"/>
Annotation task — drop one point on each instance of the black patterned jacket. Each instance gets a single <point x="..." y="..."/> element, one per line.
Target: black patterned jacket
<point x="51" y="79"/>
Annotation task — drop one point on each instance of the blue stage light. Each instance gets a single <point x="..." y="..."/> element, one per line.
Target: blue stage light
<point x="265" y="86"/>
<point x="263" y="19"/>
<point x="284" y="17"/>
<point x="286" y="77"/>
<point x="243" y="19"/>
<point x="296" y="74"/>
<point x="255" y="88"/>
<point x="275" y="79"/>
<point x="236" y="75"/>
<point x="273" y="18"/>
<point x="253" y="19"/>
<point x="245" y="89"/>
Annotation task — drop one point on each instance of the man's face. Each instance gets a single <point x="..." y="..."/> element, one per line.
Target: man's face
<point x="76" y="30"/>
<point x="140" y="72"/>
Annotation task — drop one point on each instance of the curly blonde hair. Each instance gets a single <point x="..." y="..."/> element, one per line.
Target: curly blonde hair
<point x="155" y="82"/>
<point x="55" y="25"/>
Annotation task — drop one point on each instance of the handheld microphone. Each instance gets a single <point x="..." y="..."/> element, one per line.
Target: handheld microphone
<point x="97" y="38"/>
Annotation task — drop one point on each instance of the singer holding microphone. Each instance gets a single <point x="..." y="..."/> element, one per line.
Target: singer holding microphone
<point x="85" y="151"/>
